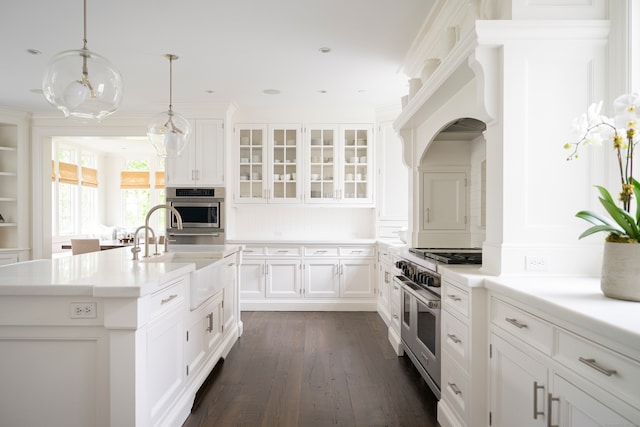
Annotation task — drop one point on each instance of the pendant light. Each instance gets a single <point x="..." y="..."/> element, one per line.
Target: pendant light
<point x="169" y="131"/>
<point x="82" y="84"/>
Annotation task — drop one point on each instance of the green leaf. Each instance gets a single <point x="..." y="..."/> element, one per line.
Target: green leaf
<point x="621" y="217"/>
<point x="599" y="228"/>
<point x="636" y="193"/>
<point x="605" y="194"/>
<point x="593" y="218"/>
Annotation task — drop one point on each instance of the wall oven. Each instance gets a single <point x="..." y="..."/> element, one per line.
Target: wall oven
<point x="202" y="212"/>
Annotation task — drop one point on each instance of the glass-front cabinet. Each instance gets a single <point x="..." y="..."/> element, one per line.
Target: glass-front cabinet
<point x="338" y="159"/>
<point x="268" y="164"/>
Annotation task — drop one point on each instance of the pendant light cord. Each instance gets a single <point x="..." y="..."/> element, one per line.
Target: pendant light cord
<point x="171" y="57"/>
<point x="84" y="40"/>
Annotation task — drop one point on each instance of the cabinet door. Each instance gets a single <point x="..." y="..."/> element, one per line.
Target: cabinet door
<point x="252" y="278"/>
<point x="444" y="201"/>
<point x="575" y="408"/>
<point x="252" y="157"/>
<point x="213" y="323"/>
<point x="209" y="153"/>
<point x="357" y="278"/>
<point x="165" y="362"/>
<point x="519" y="386"/>
<point x="321" y="160"/>
<point x="357" y="164"/>
<point x="283" y="278"/>
<point x="181" y="170"/>
<point x="321" y="278"/>
<point x="393" y="178"/>
<point x="286" y="166"/>
<point x="230" y="291"/>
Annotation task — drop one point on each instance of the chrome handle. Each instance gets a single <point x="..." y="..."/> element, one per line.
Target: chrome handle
<point x="320" y="252"/>
<point x="454" y="297"/>
<point x="515" y="323"/>
<point x="454" y="338"/>
<point x="284" y="251"/>
<point x="356" y="252"/>
<point x="395" y="316"/>
<point x="395" y="287"/>
<point x="195" y="234"/>
<point x="455" y="388"/>
<point x="210" y="317"/>
<point x="424" y="356"/>
<point x="550" y="400"/>
<point x="341" y="269"/>
<point x="428" y="215"/>
<point x="169" y="298"/>
<point x="593" y="364"/>
<point x="536" y="387"/>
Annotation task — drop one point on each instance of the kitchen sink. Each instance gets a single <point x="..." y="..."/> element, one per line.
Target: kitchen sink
<point x="207" y="279"/>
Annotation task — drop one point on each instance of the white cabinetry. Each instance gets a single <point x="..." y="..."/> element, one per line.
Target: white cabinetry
<point x="392" y="184"/>
<point x="204" y="332"/>
<point x="338" y="164"/>
<point x="13" y="191"/>
<point x="202" y="162"/>
<point x="464" y="358"/>
<point x="544" y="374"/>
<point x="269" y="163"/>
<point x="165" y="363"/>
<point x="444" y="198"/>
<point x="306" y="275"/>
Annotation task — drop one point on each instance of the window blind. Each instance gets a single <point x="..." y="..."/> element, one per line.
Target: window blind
<point x="134" y="180"/>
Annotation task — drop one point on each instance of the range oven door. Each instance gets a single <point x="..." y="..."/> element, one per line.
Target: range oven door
<point x="197" y="214"/>
<point x="420" y="331"/>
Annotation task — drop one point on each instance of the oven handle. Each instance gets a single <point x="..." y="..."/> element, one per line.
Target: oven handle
<point x="419" y="297"/>
<point x="195" y="234"/>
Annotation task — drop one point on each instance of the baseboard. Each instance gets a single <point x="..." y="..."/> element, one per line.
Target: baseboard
<point x="310" y="305"/>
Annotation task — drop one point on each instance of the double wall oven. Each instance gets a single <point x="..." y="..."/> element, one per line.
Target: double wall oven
<point x="202" y="212"/>
<point x="419" y="280"/>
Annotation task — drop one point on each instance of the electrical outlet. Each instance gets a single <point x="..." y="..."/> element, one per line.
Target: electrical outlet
<point x="536" y="263"/>
<point x="83" y="310"/>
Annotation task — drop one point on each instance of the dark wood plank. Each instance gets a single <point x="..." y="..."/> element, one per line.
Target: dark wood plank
<point x="314" y="369"/>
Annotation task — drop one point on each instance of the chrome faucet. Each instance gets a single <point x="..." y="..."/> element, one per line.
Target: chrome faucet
<point x="146" y="224"/>
<point x="136" y="249"/>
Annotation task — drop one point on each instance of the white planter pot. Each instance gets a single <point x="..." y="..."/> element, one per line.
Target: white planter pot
<point x="621" y="271"/>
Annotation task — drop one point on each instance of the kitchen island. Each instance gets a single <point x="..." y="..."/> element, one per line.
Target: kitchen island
<point x="101" y="340"/>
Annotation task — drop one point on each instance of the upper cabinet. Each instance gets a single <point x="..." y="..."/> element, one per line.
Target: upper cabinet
<point x="202" y="162"/>
<point x="269" y="163"/>
<point x="315" y="164"/>
<point x="338" y="164"/>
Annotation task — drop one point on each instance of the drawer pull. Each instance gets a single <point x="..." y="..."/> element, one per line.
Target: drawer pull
<point x="356" y="252"/>
<point x="593" y="364"/>
<point x="536" y="387"/>
<point x="454" y="297"/>
<point x="395" y="316"/>
<point x="550" y="401"/>
<point x="320" y="252"/>
<point x="169" y="298"/>
<point x="284" y="251"/>
<point x="454" y="338"/>
<point x="210" y="318"/>
<point x="455" y="389"/>
<point x="515" y="323"/>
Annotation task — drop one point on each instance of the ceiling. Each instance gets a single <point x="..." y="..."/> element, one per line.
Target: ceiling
<point x="229" y="51"/>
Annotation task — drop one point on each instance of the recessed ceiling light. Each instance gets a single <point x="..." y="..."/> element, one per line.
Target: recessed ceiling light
<point x="361" y="91"/>
<point x="325" y="49"/>
<point x="34" y="51"/>
<point x="271" y="91"/>
<point x="322" y="91"/>
<point x="209" y="91"/>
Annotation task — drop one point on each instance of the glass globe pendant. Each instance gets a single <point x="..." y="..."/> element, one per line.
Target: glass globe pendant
<point x="82" y="84"/>
<point x="169" y="132"/>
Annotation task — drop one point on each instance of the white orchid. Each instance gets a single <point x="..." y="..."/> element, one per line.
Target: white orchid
<point x="592" y="129"/>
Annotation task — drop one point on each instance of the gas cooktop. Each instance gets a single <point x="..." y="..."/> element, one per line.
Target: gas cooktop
<point x="450" y="255"/>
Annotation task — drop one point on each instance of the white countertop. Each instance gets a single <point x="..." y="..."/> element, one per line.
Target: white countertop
<point x="110" y="273"/>
<point x="575" y="300"/>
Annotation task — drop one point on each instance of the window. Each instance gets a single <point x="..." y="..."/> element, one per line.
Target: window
<point x="141" y="189"/>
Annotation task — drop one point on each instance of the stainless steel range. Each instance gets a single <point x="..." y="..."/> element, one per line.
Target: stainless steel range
<point x="419" y="280"/>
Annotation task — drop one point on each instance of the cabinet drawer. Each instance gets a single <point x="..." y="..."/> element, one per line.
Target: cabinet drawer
<point x="455" y="298"/>
<point x="532" y="330"/>
<point x="321" y="251"/>
<point x="250" y="251"/>
<point x="284" y="251"/>
<point x="455" y="339"/>
<point x="610" y="370"/>
<point x="358" y="251"/>
<point x="456" y="389"/>
<point x="168" y="297"/>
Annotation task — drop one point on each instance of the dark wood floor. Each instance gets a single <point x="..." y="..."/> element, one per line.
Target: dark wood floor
<point x="314" y="369"/>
